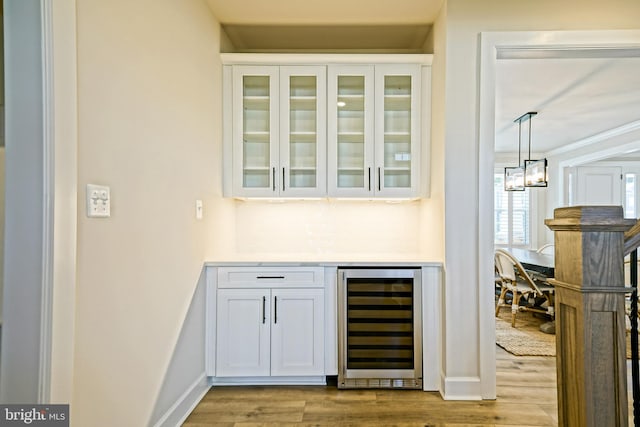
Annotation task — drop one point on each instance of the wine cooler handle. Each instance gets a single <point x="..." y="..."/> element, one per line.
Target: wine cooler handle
<point x="379" y="179"/>
<point x="283" y="179"/>
<point x="275" y="309"/>
<point x="369" y="179"/>
<point x="264" y="306"/>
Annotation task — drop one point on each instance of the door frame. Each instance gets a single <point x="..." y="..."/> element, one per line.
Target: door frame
<point x="526" y="44"/>
<point x="42" y="118"/>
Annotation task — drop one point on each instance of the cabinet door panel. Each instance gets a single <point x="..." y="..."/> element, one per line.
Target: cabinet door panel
<point x="303" y="131"/>
<point x="350" y="116"/>
<point x="243" y="318"/>
<point x="255" y="130"/>
<point x="397" y="156"/>
<point x="297" y="332"/>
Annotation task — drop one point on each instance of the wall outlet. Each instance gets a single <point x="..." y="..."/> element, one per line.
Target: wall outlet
<point x="98" y="201"/>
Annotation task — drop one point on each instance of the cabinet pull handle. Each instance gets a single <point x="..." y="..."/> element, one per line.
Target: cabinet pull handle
<point x="283" y="179"/>
<point x="379" y="179"/>
<point x="369" y="179"/>
<point x="274" y="178"/>
<point x="275" y="309"/>
<point x="264" y="306"/>
<point x="269" y="277"/>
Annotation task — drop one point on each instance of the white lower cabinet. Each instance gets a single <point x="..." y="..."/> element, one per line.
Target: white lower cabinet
<point x="243" y="333"/>
<point x="266" y="331"/>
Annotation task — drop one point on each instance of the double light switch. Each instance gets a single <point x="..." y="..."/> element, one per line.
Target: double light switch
<point x="98" y="201"/>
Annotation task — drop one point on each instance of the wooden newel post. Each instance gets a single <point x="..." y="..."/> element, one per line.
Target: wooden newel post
<point x="590" y="315"/>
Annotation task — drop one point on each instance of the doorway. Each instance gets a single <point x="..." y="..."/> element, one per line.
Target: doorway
<point x="525" y="44"/>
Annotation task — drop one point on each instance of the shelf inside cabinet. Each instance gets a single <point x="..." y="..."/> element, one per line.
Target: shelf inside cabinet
<point x="302" y="137"/>
<point x="397" y="177"/>
<point x="256" y="103"/>
<point x="350" y="178"/>
<point x="397" y="102"/>
<point x="303" y="103"/>
<point x="302" y="178"/>
<point x="350" y="137"/>
<point x="256" y="136"/>
<point x="397" y="136"/>
<point x="256" y="178"/>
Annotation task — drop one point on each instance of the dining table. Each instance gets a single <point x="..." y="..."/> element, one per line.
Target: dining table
<point x="541" y="265"/>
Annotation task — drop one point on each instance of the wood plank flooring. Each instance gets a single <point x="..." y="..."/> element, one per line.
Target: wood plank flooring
<point x="526" y="396"/>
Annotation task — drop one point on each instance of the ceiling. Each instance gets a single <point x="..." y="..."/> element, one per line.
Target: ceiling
<point x="325" y="12"/>
<point x="326" y="25"/>
<point x="575" y="97"/>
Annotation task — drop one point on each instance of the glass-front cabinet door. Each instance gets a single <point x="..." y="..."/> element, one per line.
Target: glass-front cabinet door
<point x="279" y="131"/>
<point x="350" y="109"/>
<point x="374" y="131"/>
<point x="303" y="137"/>
<point x="397" y="130"/>
<point x="255" y="131"/>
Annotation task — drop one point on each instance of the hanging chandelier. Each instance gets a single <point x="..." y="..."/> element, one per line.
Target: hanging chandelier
<point x="534" y="172"/>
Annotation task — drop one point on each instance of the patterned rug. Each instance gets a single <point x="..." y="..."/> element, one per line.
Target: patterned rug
<point x="525" y="339"/>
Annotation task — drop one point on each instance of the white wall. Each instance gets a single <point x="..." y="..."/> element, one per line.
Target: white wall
<point x="149" y="126"/>
<point x="466" y="360"/>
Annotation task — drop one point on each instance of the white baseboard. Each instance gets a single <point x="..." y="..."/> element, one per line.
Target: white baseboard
<point x="180" y="410"/>
<point x="460" y="388"/>
<point x="229" y="381"/>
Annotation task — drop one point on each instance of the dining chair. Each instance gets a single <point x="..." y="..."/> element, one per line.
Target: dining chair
<point x="548" y="248"/>
<point x="516" y="280"/>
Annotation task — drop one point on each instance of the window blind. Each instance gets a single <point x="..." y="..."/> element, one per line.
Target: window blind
<point x="511" y="214"/>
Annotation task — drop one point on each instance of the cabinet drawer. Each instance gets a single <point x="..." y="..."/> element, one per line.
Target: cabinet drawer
<point x="282" y="277"/>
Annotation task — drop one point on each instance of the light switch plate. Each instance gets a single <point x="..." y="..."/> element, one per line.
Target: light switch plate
<point x="198" y="209"/>
<point x="98" y="201"/>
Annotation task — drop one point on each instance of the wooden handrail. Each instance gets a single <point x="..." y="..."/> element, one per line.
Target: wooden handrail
<point x="632" y="238"/>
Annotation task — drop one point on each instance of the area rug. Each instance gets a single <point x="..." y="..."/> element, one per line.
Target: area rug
<point x="524" y="341"/>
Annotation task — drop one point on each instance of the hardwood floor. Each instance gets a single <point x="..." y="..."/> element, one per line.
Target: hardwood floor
<point x="526" y="389"/>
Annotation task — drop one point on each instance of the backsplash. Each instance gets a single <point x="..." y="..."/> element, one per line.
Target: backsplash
<point x="327" y="230"/>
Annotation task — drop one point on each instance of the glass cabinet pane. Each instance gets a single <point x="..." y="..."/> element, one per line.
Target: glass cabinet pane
<point x="351" y="131"/>
<point x="256" y="136"/>
<point x="397" y="131"/>
<point x="303" y="136"/>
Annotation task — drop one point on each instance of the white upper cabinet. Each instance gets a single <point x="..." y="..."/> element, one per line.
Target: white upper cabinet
<point x="328" y="126"/>
<point x="374" y="131"/>
<point x="303" y="138"/>
<point x="397" y="139"/>
<point x="279" y="137"/>
<point x="255" y="130"/>
<point x="350" y="122"/>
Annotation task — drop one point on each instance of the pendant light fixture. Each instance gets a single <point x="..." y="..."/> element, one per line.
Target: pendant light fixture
<point x="535" y="171"/>
<point x="514" y="176"/>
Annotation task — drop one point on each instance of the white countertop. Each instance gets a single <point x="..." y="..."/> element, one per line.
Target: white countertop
<point x="395" y="263"/>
